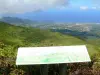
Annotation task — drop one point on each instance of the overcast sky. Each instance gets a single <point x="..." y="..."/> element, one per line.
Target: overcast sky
<point x="23" y="6"/>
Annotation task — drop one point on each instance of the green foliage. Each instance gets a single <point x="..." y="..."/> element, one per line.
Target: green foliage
<point x="12" y="37"/>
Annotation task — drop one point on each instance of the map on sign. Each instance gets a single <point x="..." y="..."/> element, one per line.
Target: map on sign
<point x="52" y="55"/>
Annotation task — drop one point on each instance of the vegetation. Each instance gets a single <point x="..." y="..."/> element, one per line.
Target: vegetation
<point x="12" y="37"/>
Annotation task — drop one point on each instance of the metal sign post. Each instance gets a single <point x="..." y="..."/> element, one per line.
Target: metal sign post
<point x="44" y="69"/>
<point x="62" y="69"/>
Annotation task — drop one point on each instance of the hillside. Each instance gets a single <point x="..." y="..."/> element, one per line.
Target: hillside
<point x="12" y="37"/>
<point x="17" y="21"/>
<point x="25" y="22"/>
<point x="22" y="36"/>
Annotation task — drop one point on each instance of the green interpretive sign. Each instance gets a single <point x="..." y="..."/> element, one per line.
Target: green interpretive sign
<point x="52" y="55"/>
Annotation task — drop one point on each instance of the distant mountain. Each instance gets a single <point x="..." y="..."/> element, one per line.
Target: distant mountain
<point x="25" y="22"/>
<point x="18" y="21"/>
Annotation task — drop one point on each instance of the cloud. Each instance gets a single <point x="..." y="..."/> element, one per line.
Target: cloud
<point x="94" y="7"/>
<point x="87" y="8"/>
<point x="21" y="6"/>
<point x="62" y="8"/>
<point x="83" y="7"/>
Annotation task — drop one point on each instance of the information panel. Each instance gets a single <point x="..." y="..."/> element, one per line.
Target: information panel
<point x="52" y="55"/>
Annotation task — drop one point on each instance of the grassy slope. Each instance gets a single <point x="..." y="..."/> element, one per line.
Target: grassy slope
<point x="11" y="37"/>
